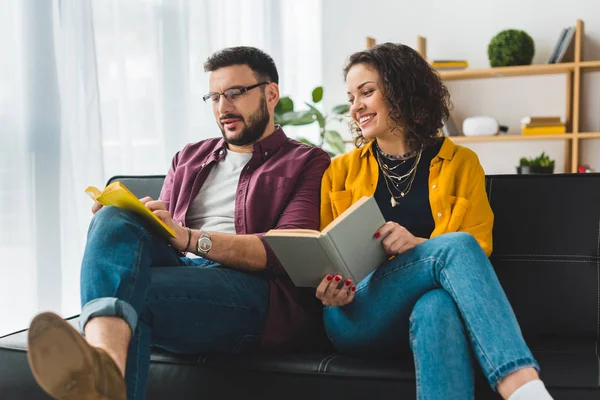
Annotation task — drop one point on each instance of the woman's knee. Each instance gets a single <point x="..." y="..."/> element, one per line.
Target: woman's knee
<point x="436" y="310"/>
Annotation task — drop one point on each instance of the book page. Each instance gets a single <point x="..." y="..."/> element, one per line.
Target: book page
<point x="353" y="239"/>
<point x="293" y="232"/>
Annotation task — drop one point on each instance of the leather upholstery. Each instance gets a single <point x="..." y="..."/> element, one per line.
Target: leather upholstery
<point x="546" y="254"/>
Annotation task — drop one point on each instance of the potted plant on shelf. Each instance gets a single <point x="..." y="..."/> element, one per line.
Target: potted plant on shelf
<point x="541" y="164"/>
<point x="286" y="115"/>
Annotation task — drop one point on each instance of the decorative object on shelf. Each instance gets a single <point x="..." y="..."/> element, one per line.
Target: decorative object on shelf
<point x="563" y="49"/>
<point x="511" y="47"/>
<point x="584" y="169"/>
<point x="285" y="115"/>
<point x="541" y="164"/>
<point x="482" y="126"/>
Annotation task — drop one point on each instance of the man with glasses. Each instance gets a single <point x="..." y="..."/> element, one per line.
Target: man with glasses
<point x="216" y="287"/>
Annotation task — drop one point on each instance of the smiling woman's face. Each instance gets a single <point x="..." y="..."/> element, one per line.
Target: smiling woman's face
<point x="368" y="106"/>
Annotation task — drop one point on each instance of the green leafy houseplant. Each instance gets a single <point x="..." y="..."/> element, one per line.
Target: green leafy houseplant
<point x="511" y="47"/>
<point x="286" y="115"/>
<point x="541" y="164"/>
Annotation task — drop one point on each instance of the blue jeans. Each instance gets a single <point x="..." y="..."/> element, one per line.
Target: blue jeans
<point x="444" y="300"/>
<point x="183" y="305"/>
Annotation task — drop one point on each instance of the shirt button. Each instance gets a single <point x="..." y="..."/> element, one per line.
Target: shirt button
<point x="434" y="186"/>
<point x="266" y="153"/>
<point x="203" y="164"/>
<point x="221" y="151"/>
<point x="439" y="214"/>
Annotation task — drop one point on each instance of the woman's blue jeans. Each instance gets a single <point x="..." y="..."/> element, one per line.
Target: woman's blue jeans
<point x="444" y="300"/>
<point x="183" y="305"/>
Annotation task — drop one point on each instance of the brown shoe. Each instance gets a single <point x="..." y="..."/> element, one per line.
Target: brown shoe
<point x="67" y="367"/>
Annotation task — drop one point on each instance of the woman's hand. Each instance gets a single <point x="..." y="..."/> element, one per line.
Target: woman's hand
<point x="397" y="239"/>
<point x="181" y="233"/>
<point x="333" y="293"/>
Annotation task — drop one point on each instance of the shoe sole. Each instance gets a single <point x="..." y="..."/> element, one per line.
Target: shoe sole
<point x="60" y="360"/>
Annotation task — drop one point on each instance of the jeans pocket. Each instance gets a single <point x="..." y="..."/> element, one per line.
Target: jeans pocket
<point x="247" y="344"/>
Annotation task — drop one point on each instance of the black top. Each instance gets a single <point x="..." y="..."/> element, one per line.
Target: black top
<point x="412" y="211"/>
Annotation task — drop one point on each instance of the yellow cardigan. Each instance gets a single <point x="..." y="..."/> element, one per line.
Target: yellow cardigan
<point x="456" y="190"/>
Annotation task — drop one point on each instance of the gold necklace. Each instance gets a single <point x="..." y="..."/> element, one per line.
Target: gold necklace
<point x="389" y="178"/>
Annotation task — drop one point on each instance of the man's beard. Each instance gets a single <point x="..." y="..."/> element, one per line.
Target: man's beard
<point x="253" y="130"/>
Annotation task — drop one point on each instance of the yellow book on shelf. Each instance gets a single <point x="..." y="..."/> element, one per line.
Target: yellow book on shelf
<point x="116" y="194"/>
<point x="543" y="130"/>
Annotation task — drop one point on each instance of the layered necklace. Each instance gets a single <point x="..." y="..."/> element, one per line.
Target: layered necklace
<point x="398" y="185"/>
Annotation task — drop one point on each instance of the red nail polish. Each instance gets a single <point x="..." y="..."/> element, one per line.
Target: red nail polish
<point x="354" y="288"/>
<point x="329" y="277"/>
<point x="348" y="282"/>
<point x="338" y="278"/>
<point x="376" y="235"/>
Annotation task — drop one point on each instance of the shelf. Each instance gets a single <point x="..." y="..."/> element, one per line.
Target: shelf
<point x="522" y="70"/>
<point x="510" y="138"/>
<point x="589" y="135"/>
<point x="590" y="66"/>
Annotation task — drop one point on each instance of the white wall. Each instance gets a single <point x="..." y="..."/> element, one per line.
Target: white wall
<point x="462" y="29"/>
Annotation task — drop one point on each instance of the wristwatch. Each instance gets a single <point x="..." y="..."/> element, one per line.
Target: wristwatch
<point x="204" y="244"/>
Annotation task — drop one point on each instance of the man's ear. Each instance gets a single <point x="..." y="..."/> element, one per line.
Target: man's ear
<point x="272" y="94"/>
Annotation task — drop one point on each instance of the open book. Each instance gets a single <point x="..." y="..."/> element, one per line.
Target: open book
<point x="116" y="194"/>
<point x="345" y="247"/>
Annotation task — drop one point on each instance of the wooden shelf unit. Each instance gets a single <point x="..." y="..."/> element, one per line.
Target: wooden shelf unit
<point x="573" y="71"/>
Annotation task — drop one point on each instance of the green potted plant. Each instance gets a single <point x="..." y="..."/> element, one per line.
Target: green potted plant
<point x="511" y="47"/>
<point x="541" y="164"/>
<point x="286" y="115"/>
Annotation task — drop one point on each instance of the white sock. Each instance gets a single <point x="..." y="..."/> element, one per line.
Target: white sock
<point x="532" y="390"/>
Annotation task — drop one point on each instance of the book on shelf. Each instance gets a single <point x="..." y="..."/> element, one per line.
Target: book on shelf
<point x="563" y="48"/>
<point x="543" y="130"/>
<point x="346" y="246"/>
<point x="446" y="65"/>
<point x="539" y="121"/>
<point x="116" y="194"/>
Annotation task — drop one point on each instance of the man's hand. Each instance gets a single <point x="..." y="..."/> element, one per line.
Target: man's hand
<point x="96" y="207"/>
<point x="397" y="239"/>
<point x="181" y="233"/>
<point x="332" y="292"/>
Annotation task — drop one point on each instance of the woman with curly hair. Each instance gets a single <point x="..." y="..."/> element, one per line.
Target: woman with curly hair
<point x="438" y="293"/>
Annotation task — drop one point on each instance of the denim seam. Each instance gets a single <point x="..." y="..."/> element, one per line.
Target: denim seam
<point x="468" y="326"/>
<point x="212" y="303"/>
<point x="136" y="269"/>
<point x="393" y="270"/>
<point x="496" y="376"/>
<point x="135" y="378"/>
<point x="414" y="346"/>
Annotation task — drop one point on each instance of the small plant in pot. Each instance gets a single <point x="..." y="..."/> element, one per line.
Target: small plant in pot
<point x="541" y="164"/>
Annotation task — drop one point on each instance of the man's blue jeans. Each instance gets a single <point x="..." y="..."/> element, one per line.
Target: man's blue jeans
<point x="183" y="305"/>
<point x="444" y="300"/>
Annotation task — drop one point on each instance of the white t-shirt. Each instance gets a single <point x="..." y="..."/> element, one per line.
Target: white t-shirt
<point x="214" y="207"/>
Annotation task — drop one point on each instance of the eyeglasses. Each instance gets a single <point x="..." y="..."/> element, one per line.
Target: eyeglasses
<point x="230" y="94"/>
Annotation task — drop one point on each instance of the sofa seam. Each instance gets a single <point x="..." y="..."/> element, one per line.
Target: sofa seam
<point x="329" y="361"/>
<point x="322" y="361"/>
<point x="490" y="193"/>
<point x="546" y="255"/>
<point x="544" y="260"/>
<point x="598" y="287"/>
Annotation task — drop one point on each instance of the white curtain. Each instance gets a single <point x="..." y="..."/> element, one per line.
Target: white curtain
<point x="94" y="88"/>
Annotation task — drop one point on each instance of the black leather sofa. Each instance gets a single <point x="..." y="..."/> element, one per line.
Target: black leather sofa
<point x="546" y="253"/>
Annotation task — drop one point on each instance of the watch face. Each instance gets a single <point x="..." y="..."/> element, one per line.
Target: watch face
<point x="204" y="244"/>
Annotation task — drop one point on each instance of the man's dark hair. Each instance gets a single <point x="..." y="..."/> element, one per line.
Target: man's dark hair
<point x="260" y="62"/>
<point x="418" y="99"/>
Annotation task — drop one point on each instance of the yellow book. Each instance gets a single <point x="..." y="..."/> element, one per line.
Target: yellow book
<point x="543" y="130"/>
<point x="116" y="194"/>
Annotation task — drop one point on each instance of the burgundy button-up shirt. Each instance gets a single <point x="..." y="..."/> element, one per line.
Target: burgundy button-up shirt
<point x="278" y="188"/>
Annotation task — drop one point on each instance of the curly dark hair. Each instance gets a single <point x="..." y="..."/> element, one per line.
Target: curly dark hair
<point x="419" y="101"/>
<point x="260" y="62"/>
